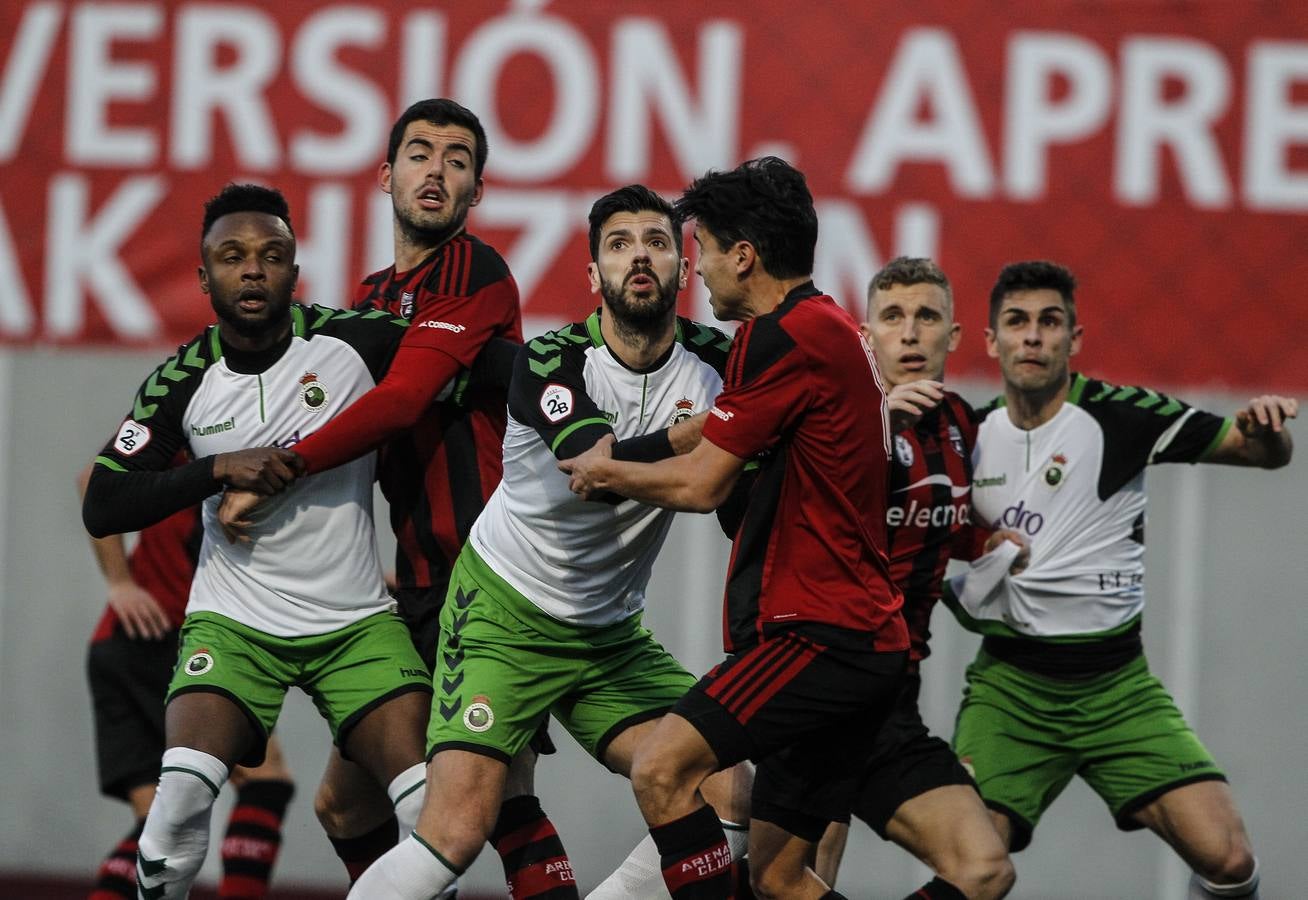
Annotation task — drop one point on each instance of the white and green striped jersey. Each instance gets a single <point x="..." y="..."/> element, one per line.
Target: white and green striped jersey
<point x="584" y="562"/>
<point x="1074" y="487"/>
<point x="313" y="566"/>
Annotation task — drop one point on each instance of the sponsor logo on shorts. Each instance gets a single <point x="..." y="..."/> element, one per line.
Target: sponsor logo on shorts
<point x="199" y="663"/>
<point x="903" y="451"/>
<point x="478" y="715"/>
<point x="313" y="393"/>
<point x="1195" y="766"/>
<point x="133" y="437"/>
<point x="406" y="672"/>
<point x="556" y="402"/>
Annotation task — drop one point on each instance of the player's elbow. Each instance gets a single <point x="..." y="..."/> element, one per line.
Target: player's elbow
<point x="706" y="496"/>
<point x="97" y="508"/>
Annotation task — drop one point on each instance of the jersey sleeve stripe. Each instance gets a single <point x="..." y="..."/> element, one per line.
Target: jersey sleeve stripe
<point x="1217" y="439"/>
<point x="109" y="463"/>
<point x="562" y="435"/>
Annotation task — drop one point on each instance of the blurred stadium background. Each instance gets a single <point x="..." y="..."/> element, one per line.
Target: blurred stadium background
<point x="1159" y="149"/>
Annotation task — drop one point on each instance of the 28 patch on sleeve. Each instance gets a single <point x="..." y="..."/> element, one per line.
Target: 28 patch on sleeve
<point x="133" y="437"/>
<point x="556" y="402"/>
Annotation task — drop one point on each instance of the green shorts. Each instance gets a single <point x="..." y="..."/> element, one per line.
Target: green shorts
<point x="348" y="672"/>
<point x="504" y="665"/>
<point x="1023" y="737"/>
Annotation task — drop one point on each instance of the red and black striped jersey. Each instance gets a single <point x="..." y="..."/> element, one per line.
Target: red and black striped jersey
<point x="438" y="475"/>
<point x="811" y="547"/>
<point x="928" y="515"/>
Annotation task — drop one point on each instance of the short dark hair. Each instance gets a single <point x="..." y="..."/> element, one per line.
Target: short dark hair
<point x="908" y="271"/>
<point x="440" y="111"/>
<point x="633" y="198"/>
<point x="763" y="201"/>
<point x="1034" y="275"/>
<point x="234" y="198"/>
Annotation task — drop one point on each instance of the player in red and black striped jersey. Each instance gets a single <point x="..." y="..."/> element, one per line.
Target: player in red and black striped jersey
<point x="915" y="792"/>
<point x="816" y="644"/>
<point x="440" y="461"/>
<point x="128" y="666"/>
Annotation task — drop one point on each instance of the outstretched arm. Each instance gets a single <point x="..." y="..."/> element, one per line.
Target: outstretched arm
<point x="699" y="481"/>
<point x="1260" y="436"/>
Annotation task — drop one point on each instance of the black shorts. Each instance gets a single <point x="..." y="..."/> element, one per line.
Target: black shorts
<point x="129" y="680"/>
<point x="906" y="761"/>
<point x="806" y="712"/>
<point x="420" y="608"/>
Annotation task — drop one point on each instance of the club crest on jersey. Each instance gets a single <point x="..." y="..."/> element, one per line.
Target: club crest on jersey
<point x="478" y="716"/>
<point x="903" y="451"/>
<point x="133" y="437"/>
<point x="199" y="662"/>
<point x="556" y="402"/>
<point x="1054" y="474"/>
<point x="313" y="393"/>
<point x="406" y="305"/>
<point x="956" y="439"/>
<point x="685" y="409"/>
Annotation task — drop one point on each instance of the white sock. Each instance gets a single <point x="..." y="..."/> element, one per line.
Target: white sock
<point x="640" y="877"/>
<point x="407" y="791"/>
<point x="1204" y="890"/>
<point x="411" y="870"/>
<point x="175" y="838"/>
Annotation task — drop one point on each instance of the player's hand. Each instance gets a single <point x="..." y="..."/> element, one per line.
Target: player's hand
<point x="1266" y="414"/>
<point x="684" y="436"/>
<point x="142" y="616"/>
<point x="234" y="514"/>
<point x="910" y="401"/>
<point x="264" y="470"/>
<point x="585" y="469"/>
<point x="1023" y="558"/>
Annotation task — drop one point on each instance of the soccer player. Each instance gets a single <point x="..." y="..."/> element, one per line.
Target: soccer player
<point x="1060" y="686"/>
<point x="915" y="792"/>
<point x="303" y="601"/>
<point x="544" y="611"/>
<point x="439" y="461"/>
<point x="815" y="640"/>
<point x="128" y="666"/>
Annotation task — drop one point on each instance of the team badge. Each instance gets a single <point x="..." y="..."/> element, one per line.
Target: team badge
<point x="1054" y="474"/>
<point x="685" y="409"/>
<point x="903" y="451"/>
<point x="478" y="716"/>
<point x="313" y="393"/>
<point x="406" y="305"/>
<point x="956" y="439"/>
<point x="199" y="663"/>
<point x="132" y="438"/>
<point x="556" y="402"/>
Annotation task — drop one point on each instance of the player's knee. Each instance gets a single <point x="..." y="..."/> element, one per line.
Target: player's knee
<point x="656" y="779"/>
<point x="772" y="881"/>
<point x="984" y="876"/>
<point x="1234" y="866"/>
<point x="337" y="817"/>
<point x="175" y="838"/>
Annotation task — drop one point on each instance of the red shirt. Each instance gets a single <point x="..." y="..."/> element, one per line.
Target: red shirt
<point x="802" y="389"/>
<point x="928" y="519"/>
<point x="441" y="461"/>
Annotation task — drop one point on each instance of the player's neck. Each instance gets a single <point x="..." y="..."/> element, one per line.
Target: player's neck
<point x="768" y="293"/>
<point x="638" y="348"/>
<point x="1033" y="408"/>
<point x="412" y="249"/>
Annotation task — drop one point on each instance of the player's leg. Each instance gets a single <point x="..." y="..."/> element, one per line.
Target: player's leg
<point x="355" y="813"/>
<point x="224" y="699"/>
<point x="254" y="828"/>
<point x="128" y="681"/>
<point x="1154" y="772"/>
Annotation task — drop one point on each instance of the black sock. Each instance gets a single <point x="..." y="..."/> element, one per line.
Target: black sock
<point x="253" y="838"/>
<point x="358" y="853"/>
<point x="116" y="877"/>
<point x="535" y="863"/>
<point x="695" y="858"/>
<point x="937" y="889"/>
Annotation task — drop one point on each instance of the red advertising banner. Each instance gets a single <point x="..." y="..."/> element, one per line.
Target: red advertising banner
<point x="1160" y="150"/>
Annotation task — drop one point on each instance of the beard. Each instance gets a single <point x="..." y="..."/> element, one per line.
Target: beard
<point x="429" y="230"/>
<point x="643" y="315"/>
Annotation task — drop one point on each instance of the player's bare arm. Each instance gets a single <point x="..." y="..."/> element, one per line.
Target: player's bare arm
<point x="264" y="470"/>
<point x="1260" y="436"/>
<point x="699" y="481"/>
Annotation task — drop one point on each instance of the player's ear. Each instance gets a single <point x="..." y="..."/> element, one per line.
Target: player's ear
<point x="204" y="279"/>
<point x="384" y="176"/>
<point x="295" y="277"/>
<point x="992" y="347"/>
<point x="592" y="275"/>
<point x="476" y="194"/>
<point x="955" y="336"/>
<point x="744" y="255"/>
<point x="683" y="276"/>
<point x="1077" y="332"/>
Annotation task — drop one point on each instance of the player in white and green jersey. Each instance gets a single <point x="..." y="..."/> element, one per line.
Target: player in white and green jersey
<point x="1061" y="459"/>
<point x="544" y="611"/>
<point x="302" y="603"/>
